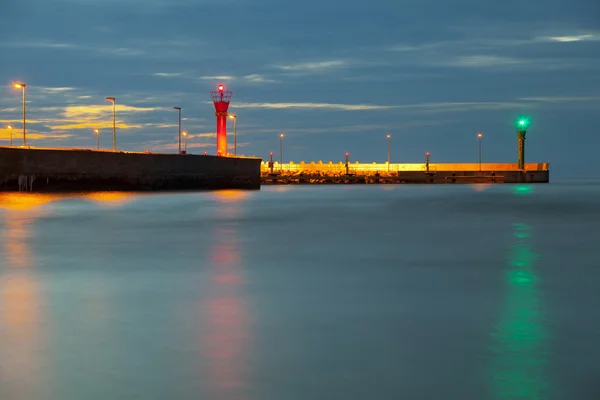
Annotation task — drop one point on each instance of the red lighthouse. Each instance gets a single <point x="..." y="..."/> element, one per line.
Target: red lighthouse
<point x="221" y="99"/>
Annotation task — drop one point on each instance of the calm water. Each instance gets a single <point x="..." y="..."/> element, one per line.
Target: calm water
<point x="343" y="292"/>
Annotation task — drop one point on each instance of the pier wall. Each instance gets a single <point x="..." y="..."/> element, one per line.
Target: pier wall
<point x="82" y="170"/>
<point x="406" y="173"/>
<point x="359" y="168"/>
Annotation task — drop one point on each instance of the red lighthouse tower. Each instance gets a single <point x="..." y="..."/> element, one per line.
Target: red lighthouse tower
<point x="221" y="99"/>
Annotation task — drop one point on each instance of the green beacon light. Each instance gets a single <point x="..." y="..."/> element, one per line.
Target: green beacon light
<point x="522" y="125"/>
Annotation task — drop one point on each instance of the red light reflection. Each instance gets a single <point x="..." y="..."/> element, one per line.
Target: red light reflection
<point x="226" y="338"/>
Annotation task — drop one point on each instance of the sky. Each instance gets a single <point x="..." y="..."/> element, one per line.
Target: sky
<point x="334" y="77"/>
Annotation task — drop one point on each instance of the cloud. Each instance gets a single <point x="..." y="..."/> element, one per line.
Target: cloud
<point x="579" y="38"/>
<point x="455" y="106"/>
<point x="559" y="99"/>
<point x="96" y="50"/>
<point x="314" y="66"/>
<point x="201" y="135"/>
<point x="218" y="78"/>
<point x="54" y="90"/>
<point x="252" y="78"/>
<point x="258" y="79"/>
<point x="17" y="136"/>
<point x="168" y="74"/>
<point x="90" y="117"/>
<point x="484" y="61"/>
<point x="96" y="110"/>
<point x="330" y="106"/>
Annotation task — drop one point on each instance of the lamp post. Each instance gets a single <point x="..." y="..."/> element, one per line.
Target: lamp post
<point x="179" y="131"/>
<point x="22" y="86"/>
<point x="347" y="163"/>
<point x="281" y="151"/>
<point x="97" y="132"/>
<point x="522" y="124"/>
<point x="113" y="101"/>
<point x="10" y="128"/>
<point x="389" y="139"/>
<point x="234" y="118"/>
<point x="185" y="142"/>
<point x="479" y="136"/>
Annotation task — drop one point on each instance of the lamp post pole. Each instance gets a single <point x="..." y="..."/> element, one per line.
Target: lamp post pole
<point x="234" y="118"/>
<point x="185" y="142"/>
<point x="179" y="131"/>
<point x="113" y="101"/>
<point x="389" y="138"/>
<point x="97" y="132"/>
<point x="522" y="125"/>
<point x="10" y="128"/>
<point x="281" y="151"/>
<point x="479" y="136"/>
<point x="22" y="86"/>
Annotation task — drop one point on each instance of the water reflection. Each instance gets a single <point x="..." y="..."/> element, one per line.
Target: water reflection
<point x="480" y="187"/>
<point x="226" y="334"/>
<point x="21" y="326"/>
<point x="520" y="338"/>
<point x="109" y="199"/>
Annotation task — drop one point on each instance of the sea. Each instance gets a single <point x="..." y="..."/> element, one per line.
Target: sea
<point x="303" y="293"/>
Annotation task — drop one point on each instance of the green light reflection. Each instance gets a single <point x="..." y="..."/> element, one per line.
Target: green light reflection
<point x="523" y="190"/>
<point x="519" y="340"/>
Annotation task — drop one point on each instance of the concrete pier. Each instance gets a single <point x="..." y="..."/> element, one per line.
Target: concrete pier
<point x="64" y="170"/>
<point x="320" y="173"/>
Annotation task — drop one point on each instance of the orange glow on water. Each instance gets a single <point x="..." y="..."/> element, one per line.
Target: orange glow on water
<point x="112" y="199"/>
<point x="21" y="327"/>
<point x="228" y="196"/>
<point x="24" y="201"/>
<point x="481" y="187"/>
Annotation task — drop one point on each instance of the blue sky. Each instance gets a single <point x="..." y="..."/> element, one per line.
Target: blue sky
<point x="333" y="76"/>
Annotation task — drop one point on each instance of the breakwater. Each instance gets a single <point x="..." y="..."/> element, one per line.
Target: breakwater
<point x="357" y="173"/>
<point x="62" y="170"/>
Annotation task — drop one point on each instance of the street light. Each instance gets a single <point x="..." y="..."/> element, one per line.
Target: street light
<point x="113" y="101"/>
<point x="10" y="128"/>
<point x="479" y="136"/>
<point x="234" y="118"/>
<point x="522" y="125"/>
<point x="389" y="148"/>
<point x="179" y="131"/>
<point x="281" y="151"/>
<point x="22" y="86"/>
<point x="185" y="142"/>
<point x="97" y="132"/>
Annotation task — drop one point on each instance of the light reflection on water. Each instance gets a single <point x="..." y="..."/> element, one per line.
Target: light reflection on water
<point x="348" y="292"/>
<point x="226" y="329"/>
<point x="520" y="347"/>
<point x="21" y="311"/>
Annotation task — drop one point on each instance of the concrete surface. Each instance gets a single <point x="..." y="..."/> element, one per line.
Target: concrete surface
<point x="49" y="170"/>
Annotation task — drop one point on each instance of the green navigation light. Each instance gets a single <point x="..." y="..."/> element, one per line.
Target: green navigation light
<point x="523" y="123"/>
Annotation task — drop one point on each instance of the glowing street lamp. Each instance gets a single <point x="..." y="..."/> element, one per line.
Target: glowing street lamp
<point x="479" y="136"/>
<point x="185" y="142"/>
<point x="97" y="132"/>
<point x="234" y="118"/>
<point x="22" y="86"/>
<point x="113" y="101"/>
<point x="179" y="131"/>
<point x="10" y="128"/>
<point x="522" y="125"/>
<point x="389" y="140"/>
<point x="281" y="151"/>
